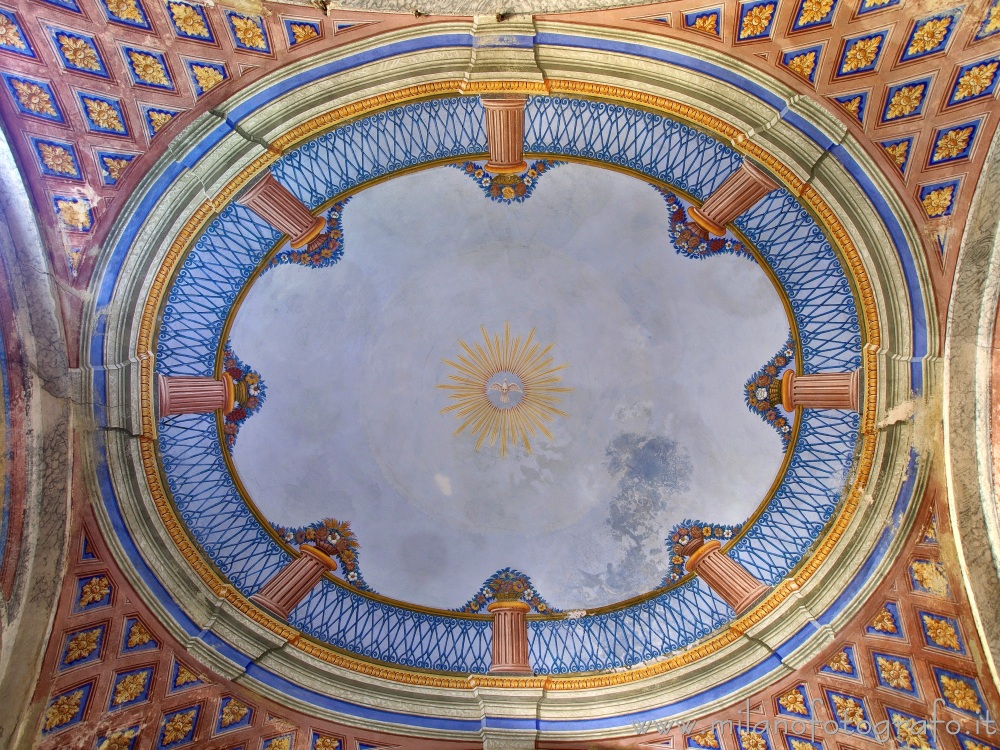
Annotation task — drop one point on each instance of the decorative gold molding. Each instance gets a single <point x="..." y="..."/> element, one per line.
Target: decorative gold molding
<point x="316" y="126"/>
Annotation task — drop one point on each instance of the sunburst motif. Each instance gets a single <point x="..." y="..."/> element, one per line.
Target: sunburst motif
<point x="505" y="390"/>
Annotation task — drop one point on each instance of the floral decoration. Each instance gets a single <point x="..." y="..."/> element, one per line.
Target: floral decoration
<point x="960" y="693"/>
<point x="929" y="577"/>
<point x="690" y="240"/>
<point x="58" y="159"/>
<point x="114" y="166"/>
<point x="184" y="676"/>
<point x="82" y="645"/>
<point x="508" y="585"/>
<point x="336" y="539"/>
<point x="126" y="10"/>
<point x="752" y="740"/>
<point x="303" y="32"/>
<point x="73" y="213"/>
<point x="103" y="115"/>
<point x="207" y="76"/>
<point x="884" y="622"/>
<point x="62" y="710"/>
<point x="34" y="98"/>
<point x="10" y="34"/>
<point x="841" y="663"/>
<point x="854" y="105"/>
<point x="898" y="152"/>
<point x="249" y="31"/>
<point x="79" y="53"/>
<point x="250" y="394"/>
<point x="905" y="101"/>
<point x="178" y="726"/>
<point x="813" y="11"/>
<point x="952" y="144"/>
<point x="794" y="702"/>
<point x="756" y="21"/>
<point x="138" y="635"/>
<point x="763" y="391"/>
<point x="803" y="64"/>
<point x="323" y="251"/>
<point x="233" y="713"/>
<point x="120" y="740"/>
<point x="189" y="21"/>
<point x="861" y="54"/>
<point x="850" y="711"/>
<point x="94" y="590"/>
<point x="928" y="35"/>
<point x="685" y="532"/>
<point x="974" y="81"/>
<point x="158" y="119"/>
<point x="894" y="673"/>
<point x="507" y="188"/>
<point x="937" y="202"/>
<point x="910" y="732"/>
<point x="941" y="633"/>
<point x="705" y="739"/>
<point x="129" y="688"/>
<point x="930" y="535"/>
<point x="148" y="69"/>
<point x="707" y="23"/>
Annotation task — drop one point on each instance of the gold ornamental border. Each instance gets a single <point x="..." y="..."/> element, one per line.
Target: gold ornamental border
<point x="676" y="110"/>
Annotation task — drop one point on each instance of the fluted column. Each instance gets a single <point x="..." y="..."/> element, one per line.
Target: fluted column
<point x="724" y="576"/>
<point x="194" y="394"/>
<point x="505" y="133"/>
<point x="828" y="390"/>
<point x="510" y="637"/>
<point x="290" y="585"/>
<point x="740" y="191"/>
<point x="276" y="205"/>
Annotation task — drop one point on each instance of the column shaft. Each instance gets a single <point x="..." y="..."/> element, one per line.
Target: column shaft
<point x="291" y="584"/>
<point x="193" y="394"/>
<point x="276" y="205"/>
<point x="510" y="638"/>
<point x="828" y="390"/>
<point x="505" y="133"/>
<point x="725" y="576"/>
<point x="740" y="191"/>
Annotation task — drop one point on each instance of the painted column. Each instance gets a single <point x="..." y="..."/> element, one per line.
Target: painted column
<point x="725" y="576"/>
<point x="276" y="205"/>
<point x="740" y="191"/>
<point x="505" y="133"/>
<point x="510" y="637"/>
<point x="828" y="390"/>
<point x="290" y="585"/>
<point x="194" y="394"/>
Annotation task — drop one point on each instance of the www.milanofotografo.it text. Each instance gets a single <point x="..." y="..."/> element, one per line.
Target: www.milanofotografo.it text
<point x="813" y="729"/>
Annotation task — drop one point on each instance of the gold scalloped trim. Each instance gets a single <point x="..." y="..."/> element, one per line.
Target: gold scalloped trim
<point x="319" y="124"/>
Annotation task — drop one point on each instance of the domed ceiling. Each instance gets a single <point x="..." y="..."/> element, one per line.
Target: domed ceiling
<point x="551" y="379"/>
<point x="633" y="360"/>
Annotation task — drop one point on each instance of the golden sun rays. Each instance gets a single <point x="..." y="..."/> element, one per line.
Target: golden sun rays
<point x="504" y="390"/>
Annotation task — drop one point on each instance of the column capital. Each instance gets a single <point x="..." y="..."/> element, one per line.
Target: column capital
<point x="508" y="606"/>
<point x="695" y="555"/>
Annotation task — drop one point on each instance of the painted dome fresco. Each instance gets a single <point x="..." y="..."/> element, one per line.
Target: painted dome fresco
<point x="537" y="380"/>
<point x="546" y="383"/>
